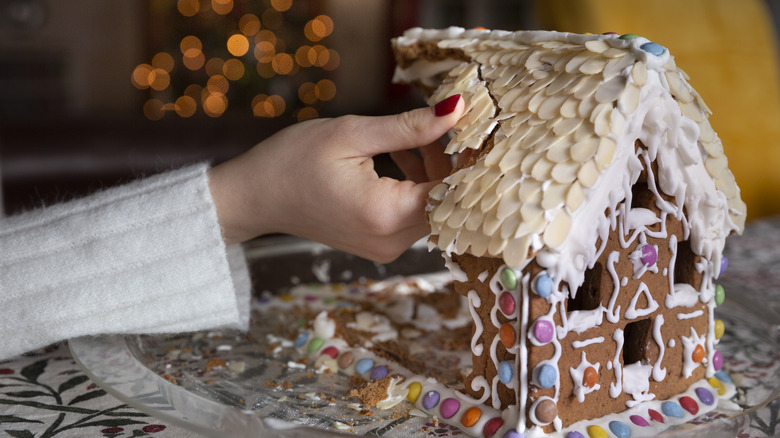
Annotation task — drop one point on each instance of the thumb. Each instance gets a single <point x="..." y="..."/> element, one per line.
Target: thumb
<point x="413" y="128"/>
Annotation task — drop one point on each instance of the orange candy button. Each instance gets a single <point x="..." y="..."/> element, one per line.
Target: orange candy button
<point x="471" y="416"/>
<point x="507" y="335"/>
<point x="590" y="377"/>
<point x="698" y="354"/>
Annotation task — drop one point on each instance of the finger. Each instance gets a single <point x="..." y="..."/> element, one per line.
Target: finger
<point x="411" y="165"/>
<point x="438" y="165"/>
<point x="411" y="129"/>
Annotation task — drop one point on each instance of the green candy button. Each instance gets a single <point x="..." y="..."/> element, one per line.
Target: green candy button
<point x="628" y="36"/>
<point x="720" y="295"/>
<point x="315" y="345"/>
<point x="508" y="279"/>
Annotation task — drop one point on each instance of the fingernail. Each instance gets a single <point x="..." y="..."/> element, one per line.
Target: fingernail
<point x="446" y="106"/>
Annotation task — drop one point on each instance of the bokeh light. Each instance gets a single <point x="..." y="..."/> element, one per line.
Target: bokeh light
<point x="153" y="109"/>
<point x="281" y="5"/>
<point x="188" y="8"/>
<point x="214" y="104"/>
<point x="238" y="45"/>
<point x="233" y="69"/>
<point x="318" y="28"/>
<point x="185" y="106"/>
<point x="268" y="106"/>
<point x="218" y="39"/>
<point x="282" y="64"/>
<point x="164" y="61"/>
<point x="249" y="24"/>
<point x="222" y="7"/>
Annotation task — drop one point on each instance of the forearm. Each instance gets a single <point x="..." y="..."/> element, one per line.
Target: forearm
<point x="147" y="257"/>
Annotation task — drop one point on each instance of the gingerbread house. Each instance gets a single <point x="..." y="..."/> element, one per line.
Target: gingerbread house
<point x="587" y="227"/>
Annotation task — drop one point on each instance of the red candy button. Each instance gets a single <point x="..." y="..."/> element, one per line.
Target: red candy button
<point x="492" y="426"/>
<point x="507" y="303"/>
<point x="655" y="415"/>
<point x="331" y="351"/>
<point x="689" y="405"/>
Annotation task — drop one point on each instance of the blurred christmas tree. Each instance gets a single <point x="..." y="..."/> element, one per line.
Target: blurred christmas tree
<point x="267" y="58"/>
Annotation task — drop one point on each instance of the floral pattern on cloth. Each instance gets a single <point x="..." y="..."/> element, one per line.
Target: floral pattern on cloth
<point x="45" y="394"/>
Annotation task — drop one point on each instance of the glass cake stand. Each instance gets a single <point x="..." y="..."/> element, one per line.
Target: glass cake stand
<point x="264" y="392"/>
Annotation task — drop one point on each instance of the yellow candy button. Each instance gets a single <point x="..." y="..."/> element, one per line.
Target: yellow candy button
<point x="720" y="328"/>
<point x="597" y="432"/>
<point x="715" y="383"/>
<point x="414" y="392"/>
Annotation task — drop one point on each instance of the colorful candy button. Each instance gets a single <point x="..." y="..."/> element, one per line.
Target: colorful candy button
<point x="505" y="372"/>
<point x="314" y="345"/>
<point x="619" y="429"/>
<point x="449" y="407"/>
<point x="513" y="433"/>
<point x="574" y="434"/>
<point x="546" y="411"/>
<point x="639" y="420"/>
<point x="720" y="328"/>
<point x="492" y="426"/>
<point x="543" y="331"/>
<point x="546" y="376"/>
<point x="720" y="295"/>
<point x="471" y="416"/>
<point x="430" y="400"/>
<point x="649" y="255"/>
<point x="698" y="354"/>
<point x="689" y="405"/>
<point x="330" y="351"/>
<point x="609" y="33"/>
<point x="508" y="279"/>
<point x="346" y="359"/>
<point x="415" y="388"/>
<point x="364" y="365"/>
<point x="724" y="264"/>
<point x="717" y="361"/>
<point x="543" y="285"/>
<point x="590" y="377"/>
<point x="655" y="415"/>
<point x="597" y="432"/>
<point x="723" y="377"/>
<point x="301" y="339"/>
<point x="705" y="396"/>
<point x="628" y="36"/>
<point x="672" y="409"/>
<point x="507" y="304"/>
<point x="715" y="383"/>
<point x="379" y="372"/>
<point x="507" y="335"/>
<point x="653" y="48"/>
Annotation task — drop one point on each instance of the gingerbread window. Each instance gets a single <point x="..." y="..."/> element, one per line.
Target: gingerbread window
<point x="637" y="338"/>
<point x="588" y="295"/>
<point x="685" y="265"/>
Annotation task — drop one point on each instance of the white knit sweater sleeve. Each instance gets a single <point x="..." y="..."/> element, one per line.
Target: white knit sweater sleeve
<point x="147" y="257"/>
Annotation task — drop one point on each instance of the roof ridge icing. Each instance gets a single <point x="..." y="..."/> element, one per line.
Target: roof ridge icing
<point x="562" y="112"/>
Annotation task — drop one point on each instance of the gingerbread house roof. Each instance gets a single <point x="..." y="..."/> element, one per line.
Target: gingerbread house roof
<point x="559" y="115"/>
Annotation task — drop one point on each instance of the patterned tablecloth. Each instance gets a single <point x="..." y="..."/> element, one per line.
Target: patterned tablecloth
<point x="45" y="394"/>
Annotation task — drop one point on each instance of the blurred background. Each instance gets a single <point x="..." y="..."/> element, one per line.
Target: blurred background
<point x="94" y="93"/>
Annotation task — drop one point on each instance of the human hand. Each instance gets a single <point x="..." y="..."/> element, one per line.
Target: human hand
<point x="316" y="180"/>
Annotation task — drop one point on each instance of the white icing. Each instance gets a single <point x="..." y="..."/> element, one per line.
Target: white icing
<point x="636" y="381"/>
<point x="632" y="312"/>
<point x="690" y="315"/>
<point x="616" y="387"/>
<point x="659" y="373"/>
<point x="585" y="343"/>
<point x="474" y="303"/>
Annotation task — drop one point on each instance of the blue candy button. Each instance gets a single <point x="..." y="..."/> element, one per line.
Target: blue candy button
<point x="672" y="409"/>
<point x="653" y="48"/>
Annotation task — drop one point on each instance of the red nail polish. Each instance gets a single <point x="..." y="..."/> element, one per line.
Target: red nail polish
<point x="446" y="106"/>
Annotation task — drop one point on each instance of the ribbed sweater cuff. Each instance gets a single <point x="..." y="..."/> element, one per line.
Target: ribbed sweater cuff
<point x="147" y="257"/>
